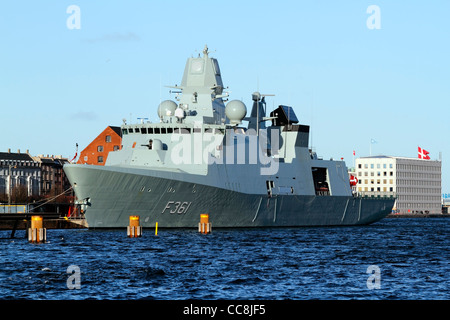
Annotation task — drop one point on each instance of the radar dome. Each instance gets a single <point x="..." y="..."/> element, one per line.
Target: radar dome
<point x="166" y="108"/>
<point x="180" y="114"/>
<point x="235" y="111"/>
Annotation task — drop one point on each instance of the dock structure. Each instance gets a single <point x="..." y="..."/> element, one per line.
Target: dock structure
<point x="418" y="215"/>
<point x="53" y="220"/>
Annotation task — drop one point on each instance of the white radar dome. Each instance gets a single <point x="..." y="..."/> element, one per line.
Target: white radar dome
<point x="166" y="108"/>
<point x="235" y="111"/>
<point x="180" y="114"/>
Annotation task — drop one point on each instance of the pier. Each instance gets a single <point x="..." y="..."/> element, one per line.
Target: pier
<point x="51" y="220"/>
<point x="418" y="215"/>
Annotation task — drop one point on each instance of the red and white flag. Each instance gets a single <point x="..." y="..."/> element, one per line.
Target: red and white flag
<point x="423" y="154"/>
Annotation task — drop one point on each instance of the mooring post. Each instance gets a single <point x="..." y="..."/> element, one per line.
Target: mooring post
<point x="134" y="229"/>
<point x="37" y="233"/>
<point x="204" y="226"/>
<point x="13" y="231"/>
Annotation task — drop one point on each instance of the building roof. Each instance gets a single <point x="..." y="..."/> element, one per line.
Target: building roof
<point x="52" y="161"/>
<point x="117" y="130"/>
<point x="393" y="157"/>
<point x="15" y="156"/>
<point x="376" y="157"/>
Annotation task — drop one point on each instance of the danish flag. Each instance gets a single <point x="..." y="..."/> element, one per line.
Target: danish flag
<point x="423" y="154"/>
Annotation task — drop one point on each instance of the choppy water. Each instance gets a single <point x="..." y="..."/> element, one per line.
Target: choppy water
<point x="411" y="255"/>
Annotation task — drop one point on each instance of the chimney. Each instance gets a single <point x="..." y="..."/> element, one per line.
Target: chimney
<point x="18" y="150"/>
<point x="9" y="150"/>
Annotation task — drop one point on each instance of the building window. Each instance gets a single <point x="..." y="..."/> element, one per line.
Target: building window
<point x="116" y="148"/>
<point x="100" y="149"/>
<point x="108" y="138"/>
<point x="100" y="159"/>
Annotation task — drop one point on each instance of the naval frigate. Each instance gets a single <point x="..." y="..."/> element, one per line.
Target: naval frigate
<point x="200" y="158"/>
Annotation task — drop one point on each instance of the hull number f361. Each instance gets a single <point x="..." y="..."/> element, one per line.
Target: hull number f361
<point x="177" y="207"/>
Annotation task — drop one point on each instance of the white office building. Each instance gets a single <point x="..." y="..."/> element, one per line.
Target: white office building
<point x="415" y="182"/>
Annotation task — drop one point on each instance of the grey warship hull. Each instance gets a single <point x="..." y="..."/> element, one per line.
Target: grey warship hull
<point x="113" y="195"/>
<point x="199" y="158"/>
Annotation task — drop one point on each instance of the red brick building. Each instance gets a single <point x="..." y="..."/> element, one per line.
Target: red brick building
<point x="97" y="151"/>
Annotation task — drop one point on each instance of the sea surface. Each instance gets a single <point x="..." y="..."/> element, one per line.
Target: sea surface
<point x="400" y="258"/>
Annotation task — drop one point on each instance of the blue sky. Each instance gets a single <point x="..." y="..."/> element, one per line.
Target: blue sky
<point x="61" y="86"/>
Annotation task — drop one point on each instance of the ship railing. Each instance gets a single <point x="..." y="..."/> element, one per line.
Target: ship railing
<point x="376" y="194"/>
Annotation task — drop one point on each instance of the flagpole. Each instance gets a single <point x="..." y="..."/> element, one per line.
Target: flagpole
<point x="371" y="142"/>
<point x="354" y="160"/>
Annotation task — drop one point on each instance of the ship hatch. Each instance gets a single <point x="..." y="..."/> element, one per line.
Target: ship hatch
<point x="320" y="178"/>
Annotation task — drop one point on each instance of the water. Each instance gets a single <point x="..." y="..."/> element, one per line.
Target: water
<point x="411" y="255"/>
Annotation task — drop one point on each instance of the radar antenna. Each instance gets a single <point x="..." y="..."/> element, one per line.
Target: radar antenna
<point x="258" y="98"/>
